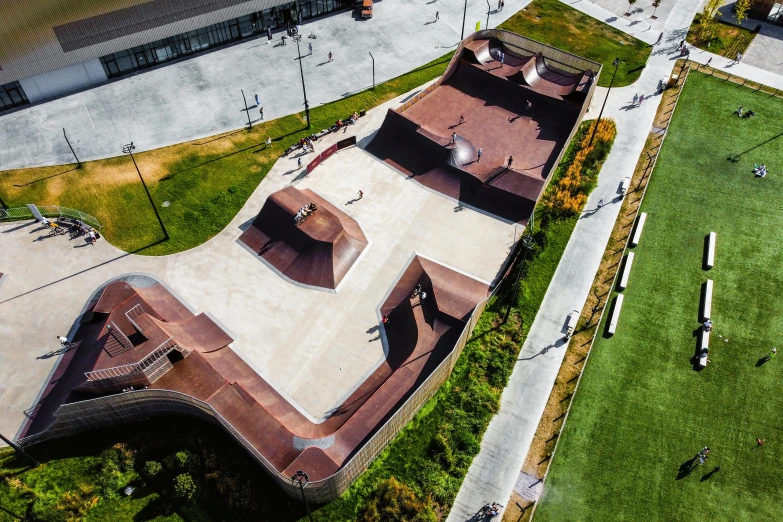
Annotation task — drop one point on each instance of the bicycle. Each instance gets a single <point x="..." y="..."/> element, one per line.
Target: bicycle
<point x="55" y="229"/>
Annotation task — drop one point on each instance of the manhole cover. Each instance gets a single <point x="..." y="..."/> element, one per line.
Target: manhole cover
<point x="166" y="203"/>
<point x="437" y="47"/>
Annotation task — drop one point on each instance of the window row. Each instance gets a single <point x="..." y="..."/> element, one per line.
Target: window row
<point x="12" y="95"/>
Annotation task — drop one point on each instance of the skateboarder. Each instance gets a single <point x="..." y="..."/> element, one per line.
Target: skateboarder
<point x="330" y="56"/>
<point x="361" y="194"/>
<point x="510" y="161"/>
<point x="478" y="154"/>
<point x="461" y="119"/>
<point x="453" y="138"/>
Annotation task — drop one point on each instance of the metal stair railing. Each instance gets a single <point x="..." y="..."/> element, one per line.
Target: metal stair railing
<point x="140" y="367"/>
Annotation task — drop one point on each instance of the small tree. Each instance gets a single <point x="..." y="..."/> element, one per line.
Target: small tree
<point x="181" y="458"/>
<point x="630" y="3"/>
<point x="709" y="18"/>
<point x="184" y="486"/>
<point x="655" y="5"/>
<point x="152" y="468"/>
<point x="742" y="7"/>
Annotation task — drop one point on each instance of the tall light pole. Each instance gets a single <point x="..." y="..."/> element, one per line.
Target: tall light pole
<point x="21" y="451"/>
<point x="527" y="244"/>
<point x="464" y="14"/>
<point x="301" y="71"/>
<point x="488" y="9"/>
<point x="373" y="69"/>
<point x="78" y="163"/>
<point x="128" y="149"/>
<point x="616" y="64"/>
<point x="301" y="479"/>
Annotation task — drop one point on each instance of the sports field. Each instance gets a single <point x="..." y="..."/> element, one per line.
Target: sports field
<point x="642" y="411"/>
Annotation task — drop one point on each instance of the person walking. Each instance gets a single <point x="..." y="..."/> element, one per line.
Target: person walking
<point x="261" y="112"/>
<point x="771" y="354"/>
<point x="635" y="99"/>
<point x="478" y="155"/>
<point x="437" y="15"/>
<point x="641" y="99"/>
<point x="461" y="119"/>
<point x="330" y="56"/>
<point x="257" y="102"/>
<point x="739" y="57"/>
<point x="299" y="162"/>
<point x="510" y="161"/>
<point x="361" y="194"/>
<point x="453" y="138"/>
<point x="310" y="47"/>
<point x="91" y="238"/>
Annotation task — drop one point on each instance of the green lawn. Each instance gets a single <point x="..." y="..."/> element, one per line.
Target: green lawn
<point x="727" y="39"/>
<point x="555" y="23"/>
<point x="642" y="410"/>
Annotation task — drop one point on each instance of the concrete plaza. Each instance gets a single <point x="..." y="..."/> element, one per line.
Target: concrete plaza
<point x="315" y="347"/>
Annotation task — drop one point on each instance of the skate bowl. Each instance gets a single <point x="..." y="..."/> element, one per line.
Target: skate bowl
<point x="317" y="253"/>
<point x="424" y="339"/>
<point x="526" y="108"/>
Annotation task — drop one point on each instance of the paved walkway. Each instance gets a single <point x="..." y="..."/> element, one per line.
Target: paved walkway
<point x="496" y="468"/>
<point x="201" y="96"/>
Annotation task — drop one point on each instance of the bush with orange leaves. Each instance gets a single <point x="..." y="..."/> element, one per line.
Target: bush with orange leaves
<point x="578" y="172"/>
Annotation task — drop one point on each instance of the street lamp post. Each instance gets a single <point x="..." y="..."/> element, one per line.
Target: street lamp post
<point x="301" y="479"/>
<point x="616" y="64"/>
<point x="128" y="149"/>
<point x="249" y="123"/>
<point x="78" y="163"/>
<point x="488" y="9"/>
<point x="373" y="69"/>
<point x="301" y="72"/>
<point x="464" y="14"/>
<point x="21" y="451"/>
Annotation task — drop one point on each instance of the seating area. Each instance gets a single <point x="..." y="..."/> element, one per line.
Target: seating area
<point x="706" y="309"/>
<point x="637" y="233"/>
<point x="615" y="317"/>
<point x="626" y="271"/>
<point x="709" y="262"/>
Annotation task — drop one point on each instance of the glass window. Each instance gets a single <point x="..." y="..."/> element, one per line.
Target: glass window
<point x="12" y="95"/>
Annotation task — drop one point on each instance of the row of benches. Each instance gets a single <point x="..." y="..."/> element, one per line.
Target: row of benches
<point x="706" y="306"/>
<point x="625" y="273"/>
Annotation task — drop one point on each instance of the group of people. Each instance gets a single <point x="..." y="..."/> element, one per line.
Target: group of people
<point x="305" y="212"/>
<point x="703" y="454"/>
<point x="637" y="100"/>
<point x="760" y="170"/>
<point x="743" y="113"/>
<point x="418" y="291"/>
<point x="490" y="510"/>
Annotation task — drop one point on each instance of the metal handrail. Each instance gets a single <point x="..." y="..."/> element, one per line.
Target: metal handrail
<point x="133" y="313"/>
<point x="49" y="211"/>
<point x="118" y="371"/>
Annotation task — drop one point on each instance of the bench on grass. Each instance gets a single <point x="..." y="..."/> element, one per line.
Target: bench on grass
<point x="618" y="304"/>
<point x="637" y="234"/>
<point x="626" y="271"/>
<point x="706" y="310"/>
<point x="704" y="347"/>
<point x="710" y="261"/>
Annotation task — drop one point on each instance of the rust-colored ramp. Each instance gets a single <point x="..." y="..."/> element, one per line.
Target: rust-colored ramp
<point x="318" y="252"/>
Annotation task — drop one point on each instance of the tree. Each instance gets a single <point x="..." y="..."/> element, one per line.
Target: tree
<point x="741" y="10"/>
<point x="655" y="4"/>
<point x="630" y="3"/>
<point x="709" y="18"/>
<point x="184" y="486"/>
<point x="152" y="468"/>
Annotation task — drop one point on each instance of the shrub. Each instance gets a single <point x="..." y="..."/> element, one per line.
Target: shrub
<point x="71" y="506"/>
<point x="181" y="459"/>
<point x="184" y="486"/>
<point x="152" y="468"/>
<point x="394" y="501"/>
<point x="441" y="450"/>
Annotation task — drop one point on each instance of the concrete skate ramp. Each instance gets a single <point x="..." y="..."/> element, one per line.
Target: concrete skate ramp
<point x="317" y="253"/>
<point x="546" y="79"/>
<point x="199" y="333"/>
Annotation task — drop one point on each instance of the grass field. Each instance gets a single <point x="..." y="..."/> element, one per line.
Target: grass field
<point x="555" y="23"/>
<point x="727" y="39"/>
<point x="642" y="412"/>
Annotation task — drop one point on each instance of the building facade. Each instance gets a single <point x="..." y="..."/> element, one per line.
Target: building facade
<point x="49" y="48"/>
<point x="768" y="11"/>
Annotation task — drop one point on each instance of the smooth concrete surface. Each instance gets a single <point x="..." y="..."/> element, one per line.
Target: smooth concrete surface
<point x="496" y="468"/>
<point x="766" y="49"/>
<point x="201" y="96"/>
<point x="315" y="347"/>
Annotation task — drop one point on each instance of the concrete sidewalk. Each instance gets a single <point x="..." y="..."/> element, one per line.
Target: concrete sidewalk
<point x="504" y="447"/>
<point x="201" y="96"/>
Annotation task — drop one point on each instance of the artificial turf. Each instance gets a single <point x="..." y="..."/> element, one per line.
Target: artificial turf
<point x="642" y="411"/>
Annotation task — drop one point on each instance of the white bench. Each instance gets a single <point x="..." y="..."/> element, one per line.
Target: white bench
<point x="618" y="304"/>
<point x="704" y="347"/>
<point x="626" y="184"/>
<point x="706" y="311"/>
<point x="637" y="234"/>
<point x="626" y="271"/>
<point x="710" y="250"/>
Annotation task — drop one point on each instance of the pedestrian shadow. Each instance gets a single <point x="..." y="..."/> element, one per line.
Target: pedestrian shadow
<point x="352" y="201"/>
<point x="686" y="468"/>
<point x="628" y="107"/>
<point x="430" y="23"/>
<point x="710" y="473"/>
<point x="322" y="63"/>
<point x="761" y="362"/>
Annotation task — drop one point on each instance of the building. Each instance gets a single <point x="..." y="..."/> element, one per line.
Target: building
<point x="767" y="11"/>
<point x="51" y="48"/>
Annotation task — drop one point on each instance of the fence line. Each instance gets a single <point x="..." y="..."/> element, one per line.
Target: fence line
<point x="8" y="214"/>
